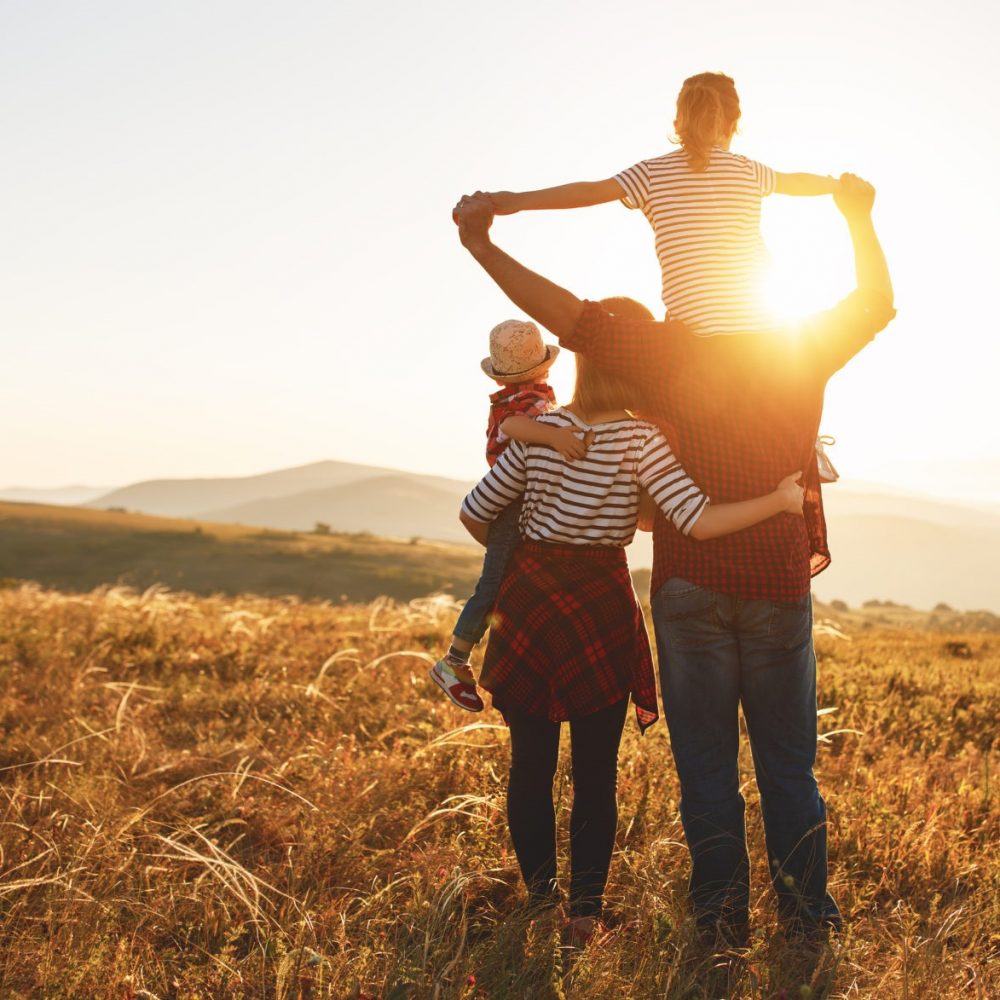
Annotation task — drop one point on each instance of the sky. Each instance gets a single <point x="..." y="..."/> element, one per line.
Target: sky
<point x="226" y="244"/>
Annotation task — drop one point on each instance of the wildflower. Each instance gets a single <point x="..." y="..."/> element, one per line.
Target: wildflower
<point x="471" y="980"/>
<point x="788" y="880"/>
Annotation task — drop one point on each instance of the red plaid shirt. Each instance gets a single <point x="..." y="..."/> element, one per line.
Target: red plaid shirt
<point x="741" y="413"/>
<point x="529" y="399"/>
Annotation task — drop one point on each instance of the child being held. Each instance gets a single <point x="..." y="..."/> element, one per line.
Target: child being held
<point x="703" y="203"/>
<point x="519" y="361"/>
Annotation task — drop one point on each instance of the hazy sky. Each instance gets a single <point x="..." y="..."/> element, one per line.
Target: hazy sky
<point x="225" y="241"/>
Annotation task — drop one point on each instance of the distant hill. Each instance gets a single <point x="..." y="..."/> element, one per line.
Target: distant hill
<point x="190" y="497"/>
<point x="71" y="495"/>
<point x="400" y="506"/>
<point x="886" y="545"/>
<point x="77" y="549"/>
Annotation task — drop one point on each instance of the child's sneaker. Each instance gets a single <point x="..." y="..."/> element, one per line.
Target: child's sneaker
<point x="460" y="691"/>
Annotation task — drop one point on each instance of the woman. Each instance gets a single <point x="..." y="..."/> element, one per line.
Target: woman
<point x="567" y="641"/>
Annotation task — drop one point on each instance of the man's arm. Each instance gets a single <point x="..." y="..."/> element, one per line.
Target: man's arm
<point x="833" y="338"/>
<point x="804" y="184"/>
<point x="638" y="350"/>
<point x="544" y="301"/>
<point x="580" y="194"/>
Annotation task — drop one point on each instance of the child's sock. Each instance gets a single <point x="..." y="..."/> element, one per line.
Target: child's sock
<point x="458" y="660"/>
<point x="458" y="657"/>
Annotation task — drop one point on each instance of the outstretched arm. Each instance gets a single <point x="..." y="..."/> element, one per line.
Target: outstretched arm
<point x="724" y="519"/>
<point x="580" y="194"/>
<point x="544" y="301"/>
<point x="805" y="184"/>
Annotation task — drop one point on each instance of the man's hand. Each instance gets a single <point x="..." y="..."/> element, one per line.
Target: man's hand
<point x="473" y="214"/>
<point x="854" y="197"/>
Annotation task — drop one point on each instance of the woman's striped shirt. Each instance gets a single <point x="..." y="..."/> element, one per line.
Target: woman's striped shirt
<point x="592" y="500"/>
<point x="707" y="229"/>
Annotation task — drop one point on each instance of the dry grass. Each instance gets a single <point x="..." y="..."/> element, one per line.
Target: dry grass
<point x="208" y="797"/>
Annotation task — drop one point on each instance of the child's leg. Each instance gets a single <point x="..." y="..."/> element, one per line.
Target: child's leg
<point x="474" y="619"/>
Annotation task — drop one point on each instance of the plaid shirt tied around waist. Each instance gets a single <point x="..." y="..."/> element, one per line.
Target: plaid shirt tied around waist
<point x="741" y="413"/>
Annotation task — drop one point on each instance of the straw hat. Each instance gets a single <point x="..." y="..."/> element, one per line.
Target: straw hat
<point x="517" y="352"/>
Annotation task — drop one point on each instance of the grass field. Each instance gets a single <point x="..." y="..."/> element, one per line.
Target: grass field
<point x="249" y="797"/>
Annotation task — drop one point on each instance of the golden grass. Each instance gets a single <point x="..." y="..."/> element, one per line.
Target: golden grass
<point x="249" y="797"/>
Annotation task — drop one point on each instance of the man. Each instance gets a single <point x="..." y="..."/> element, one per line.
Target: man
<point x="732" y="616"/>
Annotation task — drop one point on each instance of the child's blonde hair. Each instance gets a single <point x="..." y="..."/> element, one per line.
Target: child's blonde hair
<point x="708" y="109"/>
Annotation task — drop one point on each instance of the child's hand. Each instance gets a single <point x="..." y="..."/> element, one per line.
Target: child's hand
<point x="792" y="493"/>
<point x="504" y="202"/>
<point x="565" y="441"/>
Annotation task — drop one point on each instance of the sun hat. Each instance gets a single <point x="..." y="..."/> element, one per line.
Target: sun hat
<point x="517" y="352"/>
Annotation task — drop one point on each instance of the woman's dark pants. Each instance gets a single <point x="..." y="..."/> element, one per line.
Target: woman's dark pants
<point x="594" y="741"/>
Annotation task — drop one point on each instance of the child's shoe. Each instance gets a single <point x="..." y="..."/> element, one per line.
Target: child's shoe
<point x="460" y="690"/>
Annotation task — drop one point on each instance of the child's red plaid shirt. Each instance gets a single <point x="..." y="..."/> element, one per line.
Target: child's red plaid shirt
<point x="529" y="399"/>
<point x="741" y="413"/>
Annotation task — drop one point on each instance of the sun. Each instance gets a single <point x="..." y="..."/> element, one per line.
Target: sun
<point x="810" y="258"/>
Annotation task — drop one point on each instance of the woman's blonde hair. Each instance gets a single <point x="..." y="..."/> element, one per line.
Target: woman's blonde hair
<point x="708" y="109"/>
<point x="597" y="389"/>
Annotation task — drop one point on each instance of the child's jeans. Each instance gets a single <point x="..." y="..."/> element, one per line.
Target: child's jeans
<point x="503" y="537"/>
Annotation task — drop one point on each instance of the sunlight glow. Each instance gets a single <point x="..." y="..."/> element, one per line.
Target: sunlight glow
<point x="811" y="265"/>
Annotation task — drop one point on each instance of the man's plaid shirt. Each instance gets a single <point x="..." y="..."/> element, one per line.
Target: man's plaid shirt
<point x="741" y="413"/>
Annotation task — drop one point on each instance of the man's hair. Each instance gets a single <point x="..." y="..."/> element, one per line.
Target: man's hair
<point x="625" y="308"/>
<point x="708" y="109"/>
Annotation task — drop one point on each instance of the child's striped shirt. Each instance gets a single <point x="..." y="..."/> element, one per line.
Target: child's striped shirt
<point x="707" y="230"/>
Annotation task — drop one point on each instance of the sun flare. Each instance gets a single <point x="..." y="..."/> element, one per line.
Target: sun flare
<point x="810" y="264"/>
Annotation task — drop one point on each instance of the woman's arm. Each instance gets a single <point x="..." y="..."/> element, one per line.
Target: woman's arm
<point x="804" y="184"/>
<point x="479" y="531"/>
<point x="580" y="194"/>
<point x="499" y="488"/>
<point x="726" y="518"/>
<point x="531" y="431"/>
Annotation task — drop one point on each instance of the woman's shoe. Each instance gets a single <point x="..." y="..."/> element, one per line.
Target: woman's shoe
<point x="579" y="932"/>
<point x="461" y="692"/>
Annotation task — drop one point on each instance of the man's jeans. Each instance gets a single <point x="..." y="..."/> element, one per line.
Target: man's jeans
<point x="717" y="652"/>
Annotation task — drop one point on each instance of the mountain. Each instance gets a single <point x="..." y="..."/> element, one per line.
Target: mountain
<point x="877" y="556"/>
<point x="395" y="506"/>
<point x="71" y="495"/>
<point x="188" y="497"/>
<point x="886" y="544"/>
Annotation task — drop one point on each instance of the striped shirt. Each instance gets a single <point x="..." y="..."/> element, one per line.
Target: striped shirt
<point x="707" y="229"/>
<point x="592" y="500"/>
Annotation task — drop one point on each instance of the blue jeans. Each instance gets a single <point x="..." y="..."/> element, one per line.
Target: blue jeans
<point x="716" y="653"/>
<point x="504" y="535"/>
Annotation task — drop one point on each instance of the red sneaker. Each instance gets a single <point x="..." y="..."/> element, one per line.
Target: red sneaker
<point x="460" y="692"/>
